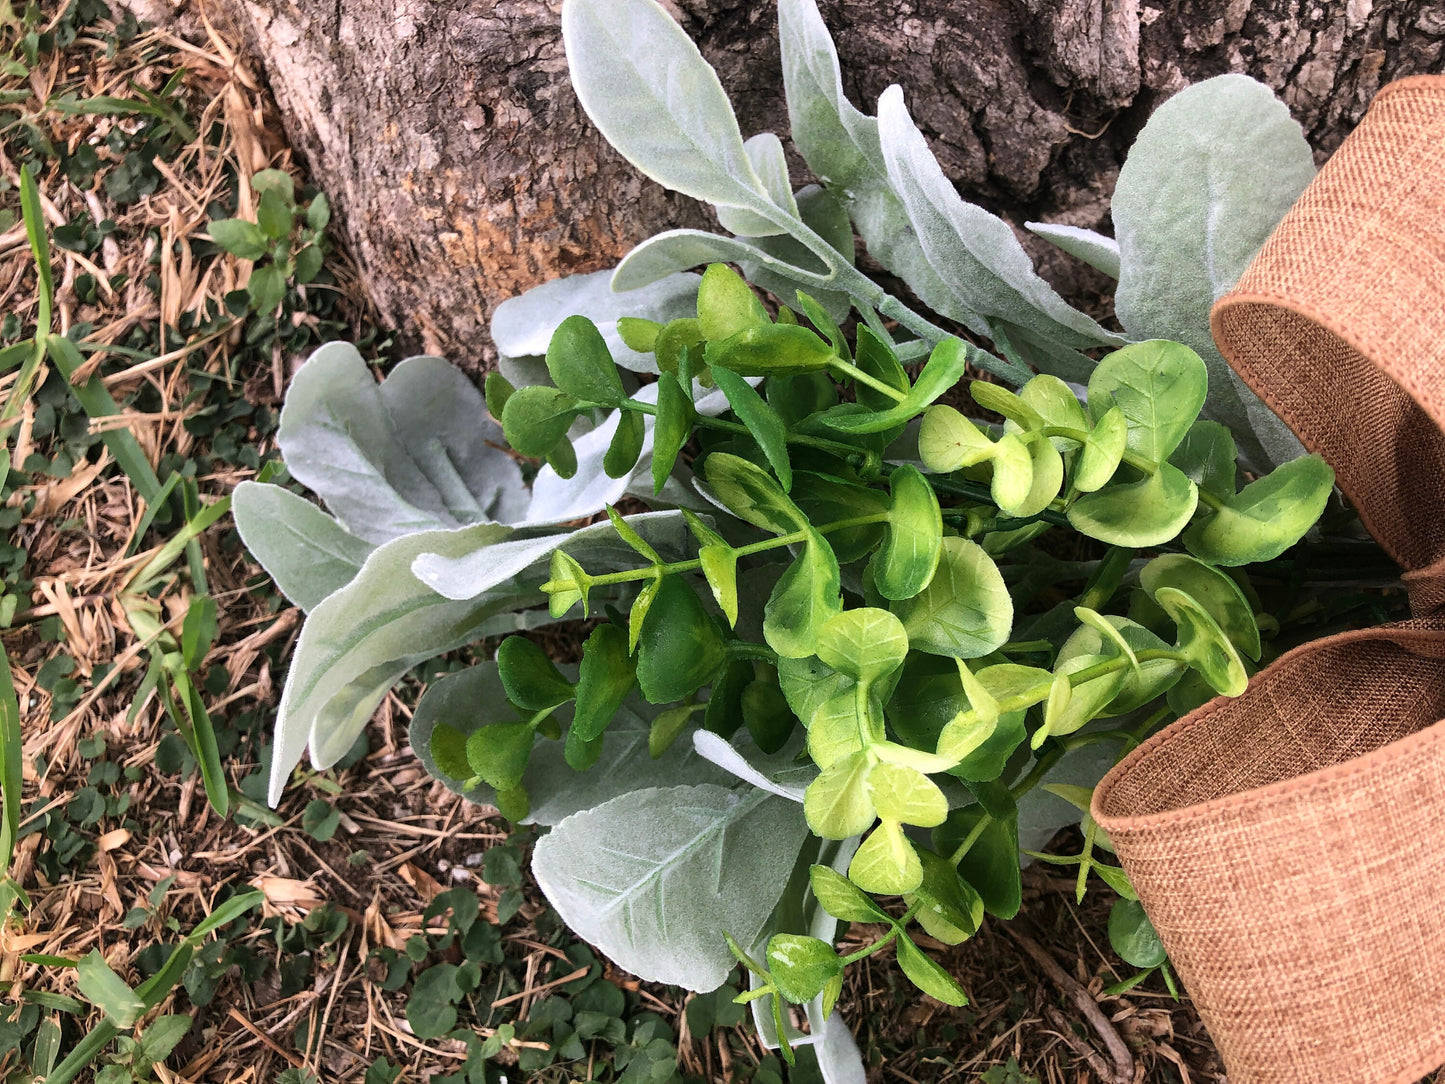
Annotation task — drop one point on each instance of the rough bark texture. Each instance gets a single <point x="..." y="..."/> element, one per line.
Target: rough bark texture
<point x="464" y="170"/>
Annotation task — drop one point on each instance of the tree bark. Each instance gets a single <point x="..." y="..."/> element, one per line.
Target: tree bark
<point x="464" y="171"/>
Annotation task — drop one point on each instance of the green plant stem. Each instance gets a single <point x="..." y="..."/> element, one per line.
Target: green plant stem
<point x="706" y="421"/>
<point x="1106" y="578"/>
<point x="887" y="938"/>
<point x="656" y="571"/>
<point x="973" y="837"/>
<point x="981" y="494"/>
<point x="1041" y="768"/>
<point x="1119" y="662"/>
<point x="1026" y="647"/>
<point x="866" y="378"/>
<point x="1209" y="499"/>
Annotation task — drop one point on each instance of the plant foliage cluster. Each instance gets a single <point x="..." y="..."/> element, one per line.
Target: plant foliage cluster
<point x="872" y="638"/>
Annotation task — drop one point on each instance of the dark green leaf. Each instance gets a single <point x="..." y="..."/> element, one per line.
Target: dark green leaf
<point x="1132" y="935"/>
<point x="1207" y="457"/>
<point x="680" y="649"/>
<point x="267" y="288"/>
<point x="805" y="597"/>
<point x="766" y="713"/>
<point x="626" y="445"/>
<point x="532" y="681"/>
<point x="449" y="752"/>
<point x="535" y="418"/>
<point x="498" y="390"/>
<point x="273" y="216"/>
<point x="563" y="458"/>
<point x="240" y="238"/>
<point x="581" y="365"/>
<point x="499" y="753"/>
<point x="762" y="421"/>
<point x="318" y="214"/>
<point x="954" y="909"/>
<point x="991" y="864"/>
<point x="674" y="426"/>
<point x="603" y="682"/>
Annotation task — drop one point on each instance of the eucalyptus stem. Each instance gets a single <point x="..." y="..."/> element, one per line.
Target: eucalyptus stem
<point x="973" y="837"/>
<point x="866" y="378"/>
<point x="887" y="939"/>
<point x="707" y="421"/>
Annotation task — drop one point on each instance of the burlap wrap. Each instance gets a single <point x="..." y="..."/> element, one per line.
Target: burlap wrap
<point x="1289" y="845"/>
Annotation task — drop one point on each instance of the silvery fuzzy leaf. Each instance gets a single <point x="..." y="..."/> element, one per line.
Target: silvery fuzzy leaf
<point x="461" y="573"/>
<point x="1042" y="814"/>
<point x="657" y="101"/>
<point x="522" y="326"/>
<point x="467" y="699"/>
<point x="765" y="151"/>
<point x="973" y="251"/>
<point x="1209" y="177"/>
<point x="841" y="146"/>
<point x="676" y="250"/>
<point x="304" y="550"/>
<point x="360" y="640"/>
<point x="413" y="453"/>
<point x="655" y="876"/>
<point x="821" y="212"/>
<point x="1096" y="250"/>
<point x="777" y="774"/>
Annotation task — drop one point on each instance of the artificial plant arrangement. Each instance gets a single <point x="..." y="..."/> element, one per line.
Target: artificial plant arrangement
<point x="848" y="641"/>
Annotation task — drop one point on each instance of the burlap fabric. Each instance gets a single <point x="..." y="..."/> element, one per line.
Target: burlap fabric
<point x="1289" y="845"/>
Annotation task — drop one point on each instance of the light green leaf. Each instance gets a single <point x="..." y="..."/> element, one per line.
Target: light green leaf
<point x="1148" y="512"/>
<point x="240" y="238"/>
<point x="498" y="753"/>
<point x="1203" y="642"/>
<point x="948" y="899"/>
<point x="1207" y="456"/>
<point x="1209" y="177"/>
<point x="765" y="151"/>
<point x="886" y="863"/>
<point x="947" y="441"/>
<point x="1266" y="517"/>
<point x="536" y="419"/>
<point x="1013" y="407"/>
<point x="801" y="966"/>
<point x="965" y="611"/>
<point x="581" y="365"/>
<point x="1102" y="452"/>
<point x="906" y="562"/>
<point x="841" y="898"/>
<point x="865" y="643"/>
<point x="1054" y="401"/>
<point x="448" y="753"/>
<point x="308" y="554"/>
<point x="1213" y="590"/>
<point x="837" y="804"/>
<point x="1143" y="683"/>
<point x="653" y="877"/>
<point x="413" y="453"/>
<point x="925" y="973"/>
<point x="1046" y="477"/>
<point x="726" y="304"/>
<point x="657" y="101"/>
<point x="768" y="349"/>
<point x="162" y="1035"/>
<point x="273" y="216"/>
<point x="720" y="566"/>
<point x="1096" y="250"/>
<point x="762" y="422"/>
<point x="1159" y="385"/>
<point x="752" y="495"/>
<point x="905" y="794"/>
<point x="975" y="253"/>
<point x="804" y="599"/>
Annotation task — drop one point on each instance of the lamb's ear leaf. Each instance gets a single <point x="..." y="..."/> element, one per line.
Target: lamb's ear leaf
<point x="677" y="250"/>
<point x="657" y="101"/>
<point x="973" y="251"/>
<point x="1096" y="250"/>
<point x="657" y="908"/>
<point x="824" y="215"/>
<point x="1210" y="175"/>
<point x="412" y="453"/>
<point x="765" y="152"/>
<point x="1266" y="517"/>
<point x="308" y="554"/>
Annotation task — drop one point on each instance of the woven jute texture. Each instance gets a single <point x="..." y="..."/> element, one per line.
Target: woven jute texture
<point x="1287" y="844"/>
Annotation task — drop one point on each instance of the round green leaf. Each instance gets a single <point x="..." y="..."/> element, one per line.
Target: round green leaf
<point x="1013" y="473"/>
<point x="1159" y="385"/>
<point x="965" y="611"/>
<point x="949" y="901"/>
<point x="910" y="552"/>
<point x="1047" y="478"/>
<point x="804" y="599"/>
<point x="1213" y="590"/>
<point x="801" y="966"/>
<point x="1203" y="643"/>
<point x="1054" y="402"/>
<point x="1148" y="512"/>
<point x="904" y="794"/>
<point x="1266" y="517"/>
<point x="449" y="752"/>
<point x="499" y="753"/>
<point x="531" y="679"/>
<point x="536" y="418"/>
<point x="864" y="643"/>
<point x="1102" y="452"/>
<point x="726" y="304"/>
<point x="886" y="863"/>
<point x="751" y="494"/>
<point x="1133" y="936"/>
<point x="767" y="716"/>
<point x="680" y="649"/>
<point x="772" y="348"/>
<point x="603" y="682"/>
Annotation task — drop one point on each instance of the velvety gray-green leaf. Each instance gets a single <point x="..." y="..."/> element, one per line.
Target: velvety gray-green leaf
<point x="308" y="554"/>
<point x="1096" y="250"/>
<point x="654" y="877"/>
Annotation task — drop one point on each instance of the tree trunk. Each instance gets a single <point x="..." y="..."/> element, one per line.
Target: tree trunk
<point x="464" y="171"/>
